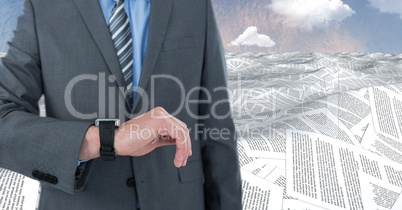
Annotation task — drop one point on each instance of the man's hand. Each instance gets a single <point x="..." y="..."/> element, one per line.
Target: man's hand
<point x="156" y="128"/>
<point x="141" y="135"/>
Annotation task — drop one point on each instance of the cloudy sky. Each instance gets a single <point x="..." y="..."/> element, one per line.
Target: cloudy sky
<point x="289" y="25"/>
<point x="311" y="25"/>
<point x="310" y="14"/>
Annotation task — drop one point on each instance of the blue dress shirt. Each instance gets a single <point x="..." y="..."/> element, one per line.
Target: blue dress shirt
<point x="138" y="14"/>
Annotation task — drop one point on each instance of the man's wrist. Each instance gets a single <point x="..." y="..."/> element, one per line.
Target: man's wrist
<point x="90" y="144"/>
<point x="107" y="135"/>
<point x="117" y="139"/>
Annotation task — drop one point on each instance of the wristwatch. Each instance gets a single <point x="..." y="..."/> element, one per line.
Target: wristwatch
<point x="106" y="135"/>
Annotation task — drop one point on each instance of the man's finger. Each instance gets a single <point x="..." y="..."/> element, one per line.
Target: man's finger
<point x="182" y="143"/>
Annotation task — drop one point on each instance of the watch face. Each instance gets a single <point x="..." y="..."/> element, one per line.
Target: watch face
<point x="116" y="121"/>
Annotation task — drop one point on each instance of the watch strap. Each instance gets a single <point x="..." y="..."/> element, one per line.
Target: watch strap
<point x="106" y="134"/>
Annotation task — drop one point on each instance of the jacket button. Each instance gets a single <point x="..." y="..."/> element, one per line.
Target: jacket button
<point x="35" y="174"/>
<point x="131" y="182"/>
<point x="46" y="178"/>
<point x="40" y="176"/>
<point x="53" y="180"/>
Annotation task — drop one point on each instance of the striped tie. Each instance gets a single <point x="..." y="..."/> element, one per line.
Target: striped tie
<point x="119" y="27"/>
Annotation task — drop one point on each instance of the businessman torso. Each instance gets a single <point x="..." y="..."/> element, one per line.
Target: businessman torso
<point x="81" y="79"/>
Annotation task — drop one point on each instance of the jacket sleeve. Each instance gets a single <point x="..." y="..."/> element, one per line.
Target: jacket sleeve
<point x="220" y="158"/>
<point x="41" y="148"/>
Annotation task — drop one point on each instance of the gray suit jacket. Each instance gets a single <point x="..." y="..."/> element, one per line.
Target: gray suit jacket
<point x="63" y="49"/>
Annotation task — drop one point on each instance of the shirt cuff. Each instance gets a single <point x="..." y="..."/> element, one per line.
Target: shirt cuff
<point x="81" y="161"/>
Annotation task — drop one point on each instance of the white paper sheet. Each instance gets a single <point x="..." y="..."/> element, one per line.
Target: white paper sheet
<point x="398" y="203"/>
<point x="384" y="146"/>
<point x="292" y="204"/>
<point x="259" y="194"/>
<point x="17" y="191"/>
<point x="324" y="171"/>
<point x="260" y="167"/>
<point x="386" y="108"/>
<point x="377" y="194"/>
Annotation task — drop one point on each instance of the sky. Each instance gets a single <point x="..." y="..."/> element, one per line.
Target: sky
<point x="288" y="25"/>
<point x="310" y="25"/>
<point x="9" y="11"/>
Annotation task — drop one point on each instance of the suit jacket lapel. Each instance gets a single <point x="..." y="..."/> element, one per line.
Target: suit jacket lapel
<point x="158" y="22"/>
<point x="93" y="17"/>
<point x="160" y="11"/>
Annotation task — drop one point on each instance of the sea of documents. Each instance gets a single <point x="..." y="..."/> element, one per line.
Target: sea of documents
<point x="318" y="131"/>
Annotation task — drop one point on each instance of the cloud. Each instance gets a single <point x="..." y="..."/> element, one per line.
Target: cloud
<point x="388" y="6"/>
<point x="251" y="37"/>
<point x="307" y="14"/>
